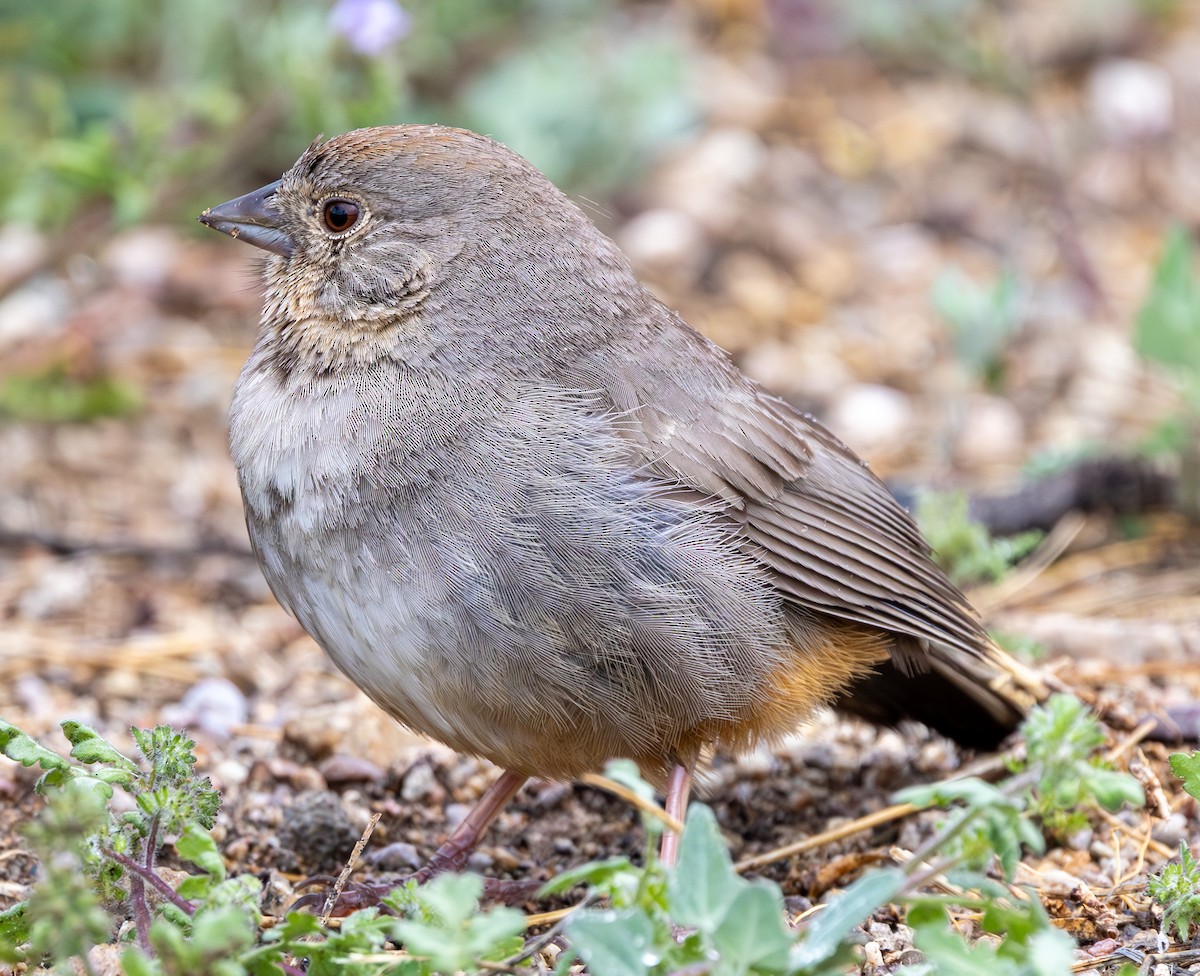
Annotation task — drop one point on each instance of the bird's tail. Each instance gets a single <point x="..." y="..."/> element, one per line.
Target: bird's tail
<point x="977" y="700"/>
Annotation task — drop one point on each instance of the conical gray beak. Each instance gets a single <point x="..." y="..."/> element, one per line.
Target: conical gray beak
<point x="251" y="218"/>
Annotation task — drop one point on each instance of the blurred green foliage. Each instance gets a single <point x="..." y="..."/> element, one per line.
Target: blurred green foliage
<point x="1168" y="324"/>
<point x="1168" y="335"/>
<point x="981" y="320"/>
<point x="963" y="547"/>
<point x="55" y="396"/>
<point x="153" y="109"/>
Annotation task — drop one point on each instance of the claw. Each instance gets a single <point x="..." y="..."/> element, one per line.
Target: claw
<point x="356" y="895"/>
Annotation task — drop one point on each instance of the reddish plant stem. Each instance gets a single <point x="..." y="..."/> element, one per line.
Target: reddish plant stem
<point x="152" y="879"/>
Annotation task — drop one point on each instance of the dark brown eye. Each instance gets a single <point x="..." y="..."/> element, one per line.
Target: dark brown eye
<point x="340" y="215"/>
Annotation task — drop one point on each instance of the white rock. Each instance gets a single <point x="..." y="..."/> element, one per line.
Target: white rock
<point x="212" y="705"/>
<point x="21" y="250"/>
<point x="143" y="257"/>
<point x="992" y="432"/>
<point x="1131" y="100"/>
<point x="707" y="179"/>
<point x="664" y="240"/>
<point x="38" y="308"/>
<point x="61" y="588"/>
<point x="869" y="417"/>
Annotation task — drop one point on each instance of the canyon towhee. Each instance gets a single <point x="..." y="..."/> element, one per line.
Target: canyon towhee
<point x="534" y="515"/>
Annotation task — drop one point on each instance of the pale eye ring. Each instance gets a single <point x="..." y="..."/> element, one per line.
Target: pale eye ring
<point x="340" y="215"/>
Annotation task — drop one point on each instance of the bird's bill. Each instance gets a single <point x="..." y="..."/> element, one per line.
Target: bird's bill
<point x="251" y="218"/>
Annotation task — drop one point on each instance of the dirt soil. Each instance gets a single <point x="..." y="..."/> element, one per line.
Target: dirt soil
<point x="802" y="227"/>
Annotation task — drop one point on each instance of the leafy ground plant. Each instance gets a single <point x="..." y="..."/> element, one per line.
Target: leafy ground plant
<point x="1176" y="888"/>
<point x="963" y="547"/>
<point x="100" y="861"/>
<point x="1167" y="336"/>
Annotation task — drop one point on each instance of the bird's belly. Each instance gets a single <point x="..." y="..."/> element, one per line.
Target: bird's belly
<point x="378" y="629"/>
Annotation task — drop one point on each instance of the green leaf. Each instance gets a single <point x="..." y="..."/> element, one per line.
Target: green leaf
<point x="1177" y="889"/>
<point x="88" y="746"/>
<point x="452" y="897"/>
<point x="1113" y="790"/>
<point x="824" y="934"/>
<point x="196" y="844"/>
<point x="614" y="943"/>
<point x="970" y="790"/>
<point x="299" y="925"/>
<point x="134" y="962"/>
<point x="703" y="885"/>
<point x="752" y="933"/>
<point x="14" y="932"/>
<point x="594" y="873"/>
<point x="625" y="772"/>
<point x="491" y="934"/>
<point x="20" y="747"/>
<point x="1187" y="768"/>
<point x="1050" y="953"/>
<point x="1166" y="325"/>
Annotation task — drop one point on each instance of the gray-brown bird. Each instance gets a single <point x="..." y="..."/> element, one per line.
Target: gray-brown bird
<point x="534" y="515"/>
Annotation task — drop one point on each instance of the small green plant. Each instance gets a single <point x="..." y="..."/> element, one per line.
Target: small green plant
<point x="962" y="546"/>
<point x="100" y="867"/>
<point x="54" y="396"/>
<point x="155" y="111"/>
<point x="1168" y="334"/>
<point x="1167" y="331"/>
<point x="1059" y="779"/>
<point x="1187" y="768"/>
<point x="1063" y="739"/>
<point x="981" y="320"/>
<point x="1177" y="889"/>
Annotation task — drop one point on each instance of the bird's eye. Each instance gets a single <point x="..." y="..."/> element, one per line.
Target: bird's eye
<point x="340" y="215"/>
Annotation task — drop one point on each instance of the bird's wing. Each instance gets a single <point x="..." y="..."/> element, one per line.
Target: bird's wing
<point x="836" y="539"/>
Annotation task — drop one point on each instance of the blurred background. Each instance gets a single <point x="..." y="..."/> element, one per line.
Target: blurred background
<point x="958" y="231"/>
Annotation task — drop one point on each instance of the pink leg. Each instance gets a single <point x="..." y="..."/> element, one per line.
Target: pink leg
<point x="454" y="853"/>
<point x="451" y="856"/>
<point x="678" y="786"/>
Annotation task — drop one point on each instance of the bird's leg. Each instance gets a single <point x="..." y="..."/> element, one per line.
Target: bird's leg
<point x="451" y="856"/>
<point x="454" y="853"/>
<point x="678" y="785"/>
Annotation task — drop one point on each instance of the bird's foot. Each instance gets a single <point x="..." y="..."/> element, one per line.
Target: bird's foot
<point x="360" y="894"/>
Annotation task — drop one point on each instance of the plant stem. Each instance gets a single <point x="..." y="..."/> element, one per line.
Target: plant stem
<point x="152" y="879"/>
<point x="141" y="910"/>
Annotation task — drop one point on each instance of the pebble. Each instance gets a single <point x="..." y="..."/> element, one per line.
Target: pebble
<point x="301" y="777"/>
<point x="1081" y="840"/>
<point x="481" y="862"/>
<point x="230" y="772"/>
<point x="419" y="783"/>
<point x="992" y="433"/>
<point x="397" y="856"/>
<point x="456" y="813"/>
<point x="665" y="242"/>
<point x="707" y="178"/>
<point x="340" y="768"/>
<point x="550" y="794"/>
<point x="21" y="250"/>
<point x="36" y="310"/>
<point x="60" y="588"/>
<point x="143" y="257"/>
<point x="1131" y="100"/>
<point x="213" y="705"/>
<point x="1171" y="831"/>
<point x="870" y="417"/>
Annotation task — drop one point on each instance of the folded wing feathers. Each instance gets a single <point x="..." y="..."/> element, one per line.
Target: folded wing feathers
<point x="817" y="516"/>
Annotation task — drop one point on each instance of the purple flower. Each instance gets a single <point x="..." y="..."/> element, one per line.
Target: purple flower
<point x="369" y="25"/>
